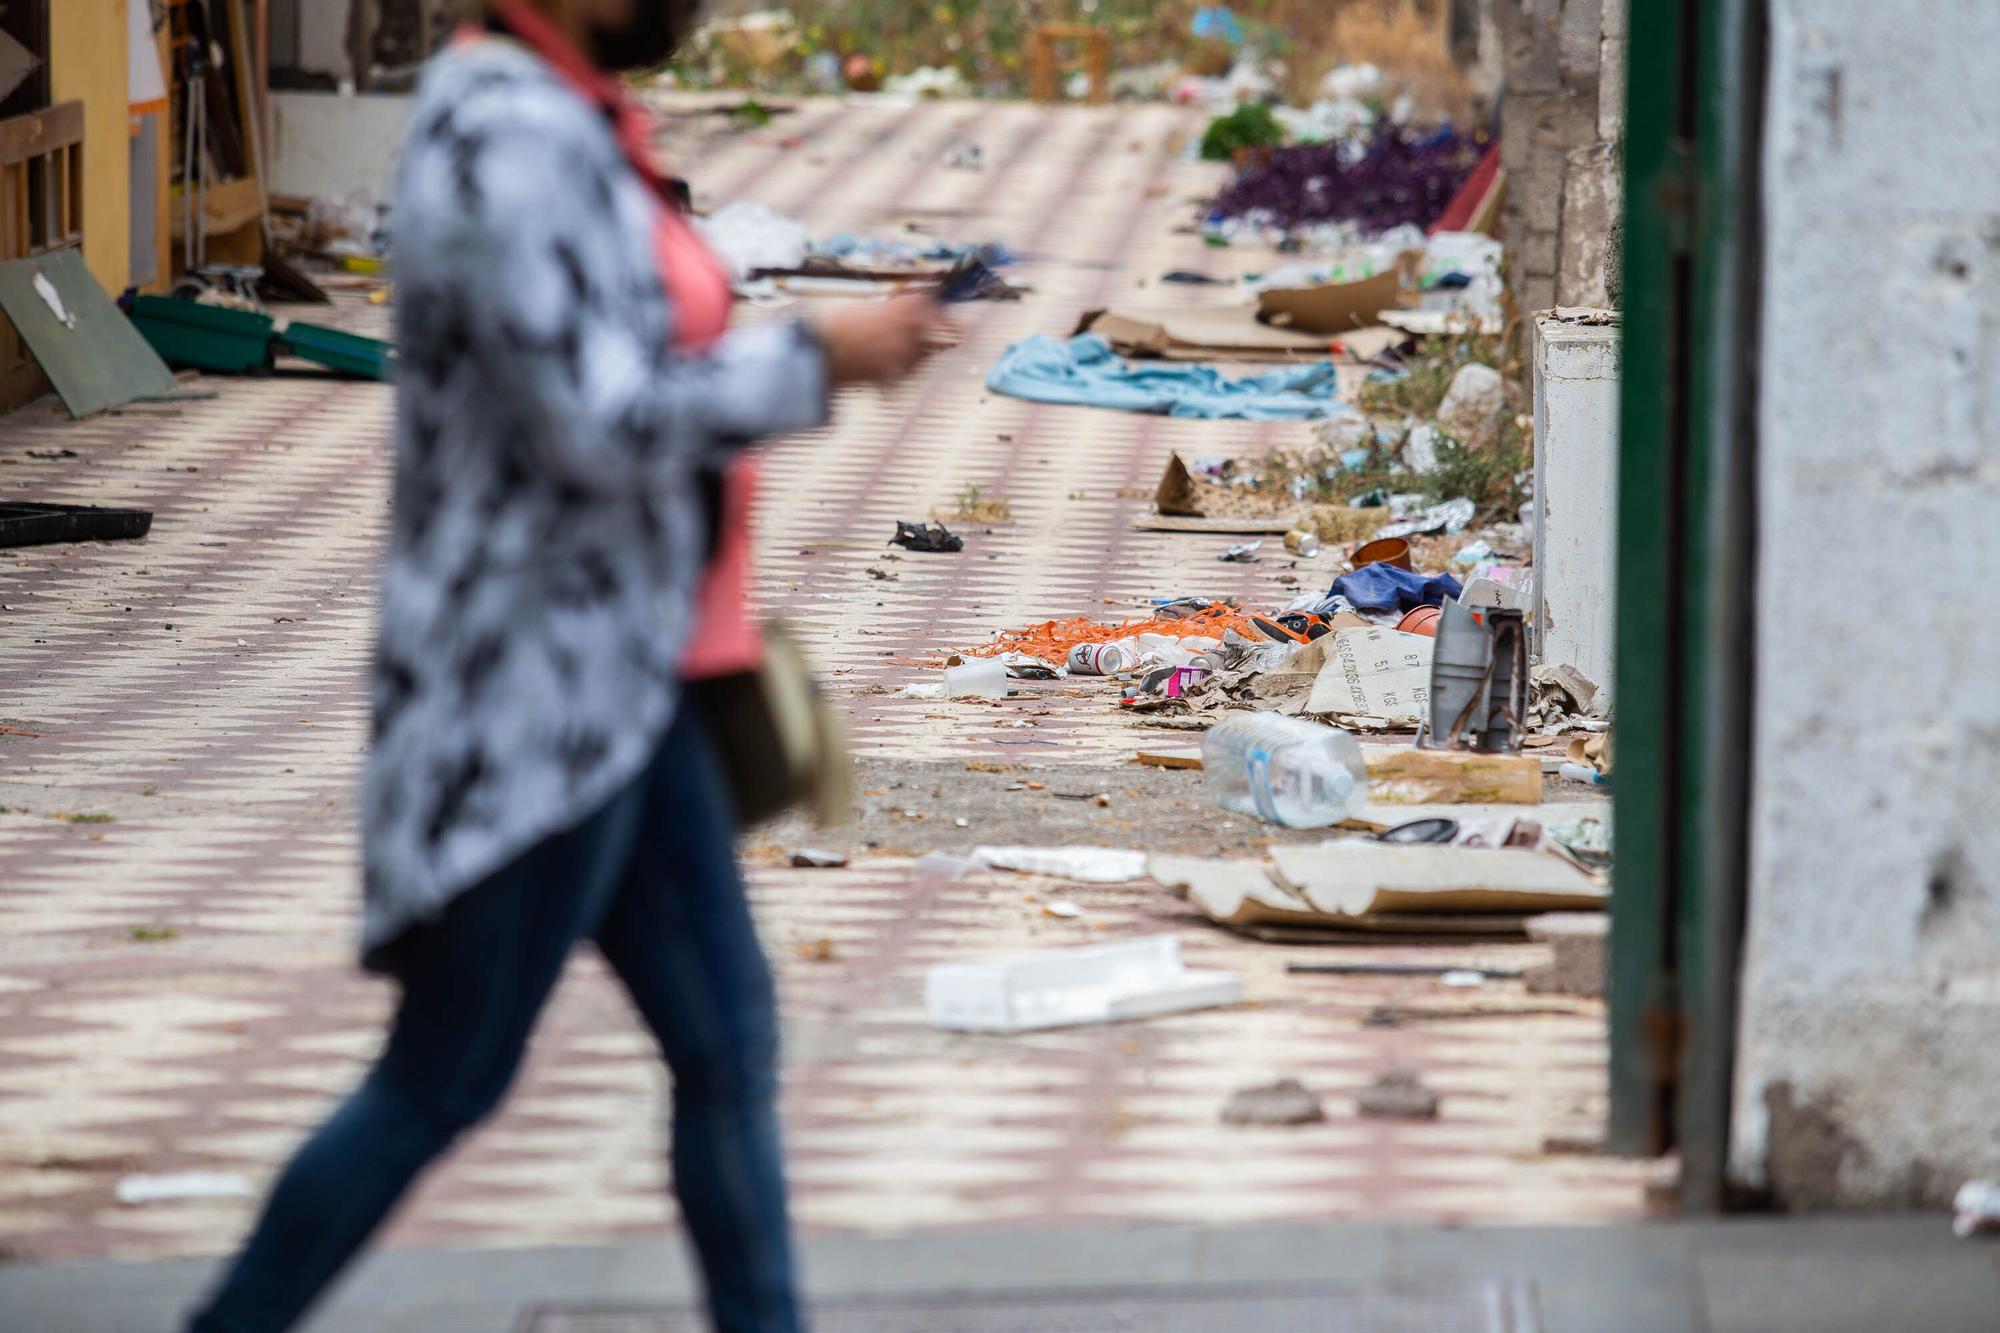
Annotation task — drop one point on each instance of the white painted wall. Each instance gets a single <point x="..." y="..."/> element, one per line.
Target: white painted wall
<point x="1869" y="1053"/>
<point x="326" y="146"/>
<point x="321" y="33"/>
<point x="1576" y="494"/>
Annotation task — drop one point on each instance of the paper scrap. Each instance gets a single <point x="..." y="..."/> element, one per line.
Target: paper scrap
<point x="1376" y="672"/>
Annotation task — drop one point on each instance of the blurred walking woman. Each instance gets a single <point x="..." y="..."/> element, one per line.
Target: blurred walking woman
<point x="568" y="395"/>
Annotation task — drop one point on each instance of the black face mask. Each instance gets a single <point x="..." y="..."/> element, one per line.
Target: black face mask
<point x="655" y="30"/>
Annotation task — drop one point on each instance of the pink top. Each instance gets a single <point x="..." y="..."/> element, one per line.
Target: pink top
<point x="725" y="639"/>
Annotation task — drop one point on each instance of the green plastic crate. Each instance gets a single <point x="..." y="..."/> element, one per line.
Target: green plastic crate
<point x="349" y="353"/>
<point x="206" y="337"/>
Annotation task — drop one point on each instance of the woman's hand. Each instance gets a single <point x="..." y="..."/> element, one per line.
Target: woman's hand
<point x="879" y="344"/>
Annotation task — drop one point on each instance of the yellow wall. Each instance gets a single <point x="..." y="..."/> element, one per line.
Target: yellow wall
<point x="87" y="64"/>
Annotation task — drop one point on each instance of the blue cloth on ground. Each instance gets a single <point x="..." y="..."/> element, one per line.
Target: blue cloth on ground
<point x="1380" y="587"/>
<point x="1084" y="371"/>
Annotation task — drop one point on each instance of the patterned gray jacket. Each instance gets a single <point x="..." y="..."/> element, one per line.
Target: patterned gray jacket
<point x="547" y="532"/>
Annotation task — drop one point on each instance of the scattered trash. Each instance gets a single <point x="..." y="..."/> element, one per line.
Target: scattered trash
<point x="1391" y="176"/>
<point x="1421" y="830"/>
<point x="1976" y="1208"/>
<point x="1420" y="450"/>
<point x="921" y="692"/>
<point x="1392" y="551"/>
<point x="1477" y="395"/>
<point x="1243" y="554"/>
<point x="1067" y="911"/>
<point x="135" y="1190"/>
<point x="24" y="523"/>
<point x="1586" y="841"/>
<point x="1584" y="773"/>
<point x="1359" y="876"/>
<point x="1479" y="681"/>
<point x="1095" y="983"/>
<point x="1451" y="516"/>
<point x="813" y="858"/>
<point x="816" y="951"/>
<point x="933" y="538"/>
<point x="1381" y="586"/>
<point x="1444" y="972"/>
<point x="1397" y="1094"/>
<point x="1169" y="758"/>
<point x="1284" y="770"/>
<point x="1286" y="1102"/>
<point x="1084" y="372"/>
<point x="939" y="865"/>
<point x="1374" y="673"/>
<point x="1422" y="620"/>
<point x="980" y="678"/>
<point x="1452" y="777"/>
<point x="1102" y="659"/>
<point x="1090" y="865"/>
<point x="1302" y="542"/>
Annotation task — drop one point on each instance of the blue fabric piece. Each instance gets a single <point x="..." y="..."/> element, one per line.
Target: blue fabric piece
<point x="1217" y="21"/>
<point x="1380" y="587"/>
<point x="651" y="879"/>
<point x="1085" y="372"/>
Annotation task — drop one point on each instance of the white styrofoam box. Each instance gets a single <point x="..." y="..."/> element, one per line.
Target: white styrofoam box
<point x="1096" y="983"/>
<point x="1576" y="495"/>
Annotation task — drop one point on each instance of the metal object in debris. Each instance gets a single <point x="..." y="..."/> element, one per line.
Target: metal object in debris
<point x="1100" y="659"/>
<point x="1421" y="830"/>
<point x="1479" y="681"/>
<point x="1302" y="542"/>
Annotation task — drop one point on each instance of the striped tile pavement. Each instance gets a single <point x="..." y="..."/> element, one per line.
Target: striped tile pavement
<point x="181" y="719"/>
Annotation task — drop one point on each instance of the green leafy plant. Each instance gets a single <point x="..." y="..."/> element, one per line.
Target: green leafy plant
<point x="1252" y="125"/>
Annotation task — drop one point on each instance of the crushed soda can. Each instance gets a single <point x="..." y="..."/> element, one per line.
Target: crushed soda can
<point x="1302" y="542"/>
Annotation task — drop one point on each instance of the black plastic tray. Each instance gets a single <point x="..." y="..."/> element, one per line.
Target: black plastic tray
<point x="36" y="524"/>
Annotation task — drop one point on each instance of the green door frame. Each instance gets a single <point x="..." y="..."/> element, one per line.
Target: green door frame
<point x="1686" y="580"/>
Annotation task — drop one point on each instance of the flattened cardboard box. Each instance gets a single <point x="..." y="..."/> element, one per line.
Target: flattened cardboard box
<point x="1452" y="777"/>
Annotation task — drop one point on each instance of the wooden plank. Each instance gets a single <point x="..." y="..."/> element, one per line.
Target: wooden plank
<point x="23" y="137"/>
<point x="1168" y="758"/>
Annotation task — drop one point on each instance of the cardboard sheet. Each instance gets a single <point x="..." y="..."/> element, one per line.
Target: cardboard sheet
<point x="1200" y="333"/>
<point x="1333" y="309"/>
<point x="1417" y="777"/>
<point x="1375" y="672"/>
<point x="1359" y="877"/>
<point x="1245" y="897"/>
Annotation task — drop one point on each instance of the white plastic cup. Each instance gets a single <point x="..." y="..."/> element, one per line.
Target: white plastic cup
<point x="985" y="678"/>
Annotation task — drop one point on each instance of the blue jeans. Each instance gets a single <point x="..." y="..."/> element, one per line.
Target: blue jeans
<point x="652" y="879"/>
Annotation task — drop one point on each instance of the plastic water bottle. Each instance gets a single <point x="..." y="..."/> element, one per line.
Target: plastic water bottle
<point x="1284" y="771"/>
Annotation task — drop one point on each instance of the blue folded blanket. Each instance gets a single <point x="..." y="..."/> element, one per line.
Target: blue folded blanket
<point x="1084" y="371"/>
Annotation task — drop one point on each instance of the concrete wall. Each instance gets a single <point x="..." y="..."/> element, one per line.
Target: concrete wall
<point x="1869" y="1056"/>
<point x="1576" y="495"/>
<point x="1562" y="122"/>
<point x="327" y="146"/>
<point x="87" y="63"/>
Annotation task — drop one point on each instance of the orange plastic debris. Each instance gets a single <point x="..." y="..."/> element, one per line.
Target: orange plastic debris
<point x="1052" y="639"/>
